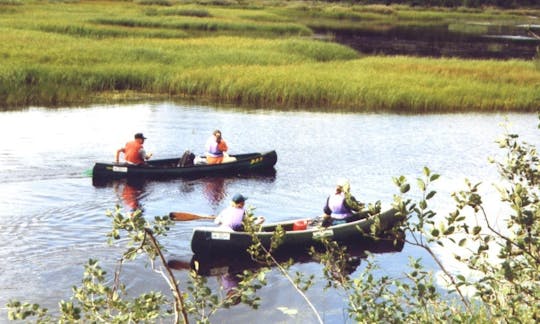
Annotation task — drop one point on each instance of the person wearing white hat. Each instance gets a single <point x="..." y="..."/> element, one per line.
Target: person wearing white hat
<point x="341" y="206"/>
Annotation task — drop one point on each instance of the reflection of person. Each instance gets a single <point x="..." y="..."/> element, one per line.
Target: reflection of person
<point x="130" y="195"/>
<point x="232" y="217"/>
<point x="215" y="148"/>
<point x="214" y="189"/>
<point x="134" y="152"/>
<point x="341" y="206"/>
<point x="229" y="283"/>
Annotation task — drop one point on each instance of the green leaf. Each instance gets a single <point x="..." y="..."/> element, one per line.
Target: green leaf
<point x="405" y="188"/>
<point x="430" y="194"/>
<point x="449" y="230"/>
<point x="421" y="184"/>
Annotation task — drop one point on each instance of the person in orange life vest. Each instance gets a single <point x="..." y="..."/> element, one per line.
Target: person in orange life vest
<point x="231" y="218"/>
<point x="134" y="152"/>
<point x="341" y="206"/>
<point x="215" y="147"/>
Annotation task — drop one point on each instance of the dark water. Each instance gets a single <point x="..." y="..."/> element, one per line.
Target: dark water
<point x="472" y="41"/>
<point x="52" y="219"/>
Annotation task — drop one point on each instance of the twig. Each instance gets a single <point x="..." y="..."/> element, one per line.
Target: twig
<point x="286" y="274"/>
<point x="179" y="301"/>
<point x="446" y="272"/>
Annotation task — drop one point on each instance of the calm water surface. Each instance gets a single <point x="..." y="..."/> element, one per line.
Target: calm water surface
<point x="470" y="40"/>
<point x="52" y="219"/>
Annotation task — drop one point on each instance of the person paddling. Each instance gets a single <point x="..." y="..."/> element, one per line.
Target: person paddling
<point x="134" y="152"/>
<point x="341" y="207"/>
<point x="232" y="217"/>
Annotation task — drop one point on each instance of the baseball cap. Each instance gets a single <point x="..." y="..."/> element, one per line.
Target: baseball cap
<point x="239" y="198"/>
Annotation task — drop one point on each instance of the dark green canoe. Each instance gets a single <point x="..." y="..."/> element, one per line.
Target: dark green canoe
<point x="216" y="240"/>
<point x="172" y="168"/>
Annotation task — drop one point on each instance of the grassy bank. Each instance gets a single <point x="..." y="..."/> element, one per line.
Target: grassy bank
<point x="61" y="53"/>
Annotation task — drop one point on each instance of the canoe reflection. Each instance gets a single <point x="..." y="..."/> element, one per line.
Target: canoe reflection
<point x="227" y="267"/>
<point x="130" y="192"/>
<point x="214" y="189"/>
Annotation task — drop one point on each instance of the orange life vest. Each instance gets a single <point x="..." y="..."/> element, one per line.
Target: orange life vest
<point x="132" y="154"/>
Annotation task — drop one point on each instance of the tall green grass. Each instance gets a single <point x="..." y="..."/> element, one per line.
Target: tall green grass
<point x="396" y="84"/>
<point x="65" y="53"/>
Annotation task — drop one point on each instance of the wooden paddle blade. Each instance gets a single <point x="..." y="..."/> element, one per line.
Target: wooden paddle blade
<point x="183" y="216"/>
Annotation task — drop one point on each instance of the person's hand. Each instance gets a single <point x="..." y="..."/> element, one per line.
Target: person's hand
<point x="148" y="156"/>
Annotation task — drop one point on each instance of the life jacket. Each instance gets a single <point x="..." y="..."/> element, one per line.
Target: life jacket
<point x="232" y="217"/>
<point x="132" y="154"/>
<point x="336" y="203"/>
<point x="213" y="148"/>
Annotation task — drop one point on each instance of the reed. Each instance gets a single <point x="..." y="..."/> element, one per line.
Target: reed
<point x="79" y="52"/>
<point x="396" y="84"/>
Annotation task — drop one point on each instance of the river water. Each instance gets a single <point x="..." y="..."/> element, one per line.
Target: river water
<point x="465" y="40"/>
<point x="52" y="218"/>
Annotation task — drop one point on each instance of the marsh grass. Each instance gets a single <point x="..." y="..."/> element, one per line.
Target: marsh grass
<point x="11" y="2"/>
<point x="210" y="25"/>
<point x="72" y="53"/>
<point x="192" y="12"/>
<point x="396" y="84"/>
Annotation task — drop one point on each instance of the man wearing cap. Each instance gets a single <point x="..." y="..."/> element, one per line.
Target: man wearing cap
<point x="341" y="206"/>
<point x="231" y="218"/>
<point x="134" y="152"/>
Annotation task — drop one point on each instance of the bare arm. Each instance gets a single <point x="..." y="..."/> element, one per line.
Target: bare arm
<point x="117" y="157"/>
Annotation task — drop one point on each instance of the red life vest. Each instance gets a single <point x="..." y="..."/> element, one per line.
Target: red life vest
<point x="132" y="154"/>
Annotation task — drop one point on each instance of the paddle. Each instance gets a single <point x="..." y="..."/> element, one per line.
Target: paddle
<point x="88" y="173"/>
<point x="183" y="216"/>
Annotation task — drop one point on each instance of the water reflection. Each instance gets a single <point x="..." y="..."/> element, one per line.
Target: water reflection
<point x="214" y="190"/>
<point x="130" y="193"/>
<point x="227" y="268"/>
<point x="464" y="40"/>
